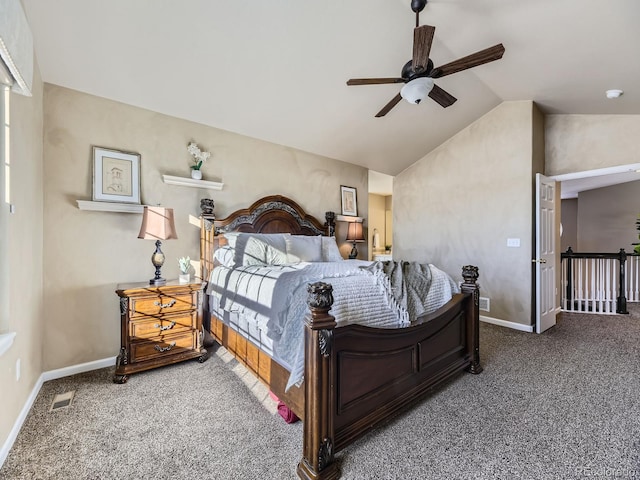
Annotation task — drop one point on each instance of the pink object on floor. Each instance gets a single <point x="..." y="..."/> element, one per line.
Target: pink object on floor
<point x="286" y="413"/>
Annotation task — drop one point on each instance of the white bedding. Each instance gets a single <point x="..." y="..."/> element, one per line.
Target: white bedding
<point x="273" y="299"/>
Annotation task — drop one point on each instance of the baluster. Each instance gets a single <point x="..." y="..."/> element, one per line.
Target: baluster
<point x="593" y="294"/>
<point x="622" y="299"/>
<point x="609" y="292"/>
<point x="579" y="284"/>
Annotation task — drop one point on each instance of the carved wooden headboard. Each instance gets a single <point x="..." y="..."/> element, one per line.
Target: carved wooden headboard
<point x="272" y="214"/>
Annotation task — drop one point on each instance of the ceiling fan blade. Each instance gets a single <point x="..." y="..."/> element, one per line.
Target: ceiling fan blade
<point x="479" y="58"/>
<point x="394" y="101"/>
<point x="442" y="97"/>
<point x="422" y="40"/>
<point x="373" y="81"/>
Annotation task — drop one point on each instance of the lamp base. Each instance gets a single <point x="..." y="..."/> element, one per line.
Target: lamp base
<point x="354" y="252"/>
<point x="157" y="259"/>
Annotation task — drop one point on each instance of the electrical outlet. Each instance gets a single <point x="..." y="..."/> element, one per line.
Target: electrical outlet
<point x="17" y="370"/>
<point x="513" y="242"/>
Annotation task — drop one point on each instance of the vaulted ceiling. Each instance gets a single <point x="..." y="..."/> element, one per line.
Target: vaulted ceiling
<point x="276" y="70"/>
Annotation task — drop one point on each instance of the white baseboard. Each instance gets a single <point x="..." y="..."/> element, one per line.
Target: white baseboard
<point x="44" y="377"/>
<point x="80" y="368"/>
<point x="19" y="421"/>
<point x="508" y="324"/>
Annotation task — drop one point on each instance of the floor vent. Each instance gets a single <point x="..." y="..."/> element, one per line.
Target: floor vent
<point x="485" y="304"/>
<point x="62" y="400"/>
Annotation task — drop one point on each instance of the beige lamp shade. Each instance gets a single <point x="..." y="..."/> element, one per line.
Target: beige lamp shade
<point x="355" y="232"/>
<point x="157" y="224"/>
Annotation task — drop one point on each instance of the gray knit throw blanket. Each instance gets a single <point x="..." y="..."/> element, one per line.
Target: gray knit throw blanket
<point x="409" y="284"/>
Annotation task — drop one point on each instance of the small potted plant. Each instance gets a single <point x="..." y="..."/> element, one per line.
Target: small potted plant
<point x="199" y="157"/>
<point x="387" y="248"/>
<point x="185" y="270"/>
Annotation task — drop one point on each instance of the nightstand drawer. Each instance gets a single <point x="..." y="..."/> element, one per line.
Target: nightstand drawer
<point x="168" y="345"/>
<point x="160" y="304"/>
<point x="162" y="326"/>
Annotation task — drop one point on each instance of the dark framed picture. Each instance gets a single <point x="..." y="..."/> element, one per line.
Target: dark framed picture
<point x="349" y="201"/>
<point x="116" y="176"/>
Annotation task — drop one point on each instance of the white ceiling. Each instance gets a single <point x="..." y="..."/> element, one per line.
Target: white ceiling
<point x="276" y="70"/>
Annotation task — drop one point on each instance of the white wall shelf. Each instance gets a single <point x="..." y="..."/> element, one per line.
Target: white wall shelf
<point x="190" y="182"/>
<point x="348" y="218"/>
<point x="110" y="206"/>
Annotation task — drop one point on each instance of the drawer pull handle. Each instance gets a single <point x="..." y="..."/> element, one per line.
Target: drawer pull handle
<point x="165" y="305"/>
<point x="166" y="327"/>
<point x="165" y="349"/>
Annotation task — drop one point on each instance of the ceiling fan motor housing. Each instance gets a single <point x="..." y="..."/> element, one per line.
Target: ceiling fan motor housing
<point x="408" y="73"/>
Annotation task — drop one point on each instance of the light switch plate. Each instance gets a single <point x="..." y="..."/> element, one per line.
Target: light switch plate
<point x="513" y="242"/>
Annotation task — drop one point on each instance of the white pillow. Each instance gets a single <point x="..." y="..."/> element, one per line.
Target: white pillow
<point x="225" y="256"/>
<point x="258" y="248"/>
<point x="232" y="238"/>
<point x="304" y="248"/>
<point x="330" y="250"/>
<point x="270" y="247"/>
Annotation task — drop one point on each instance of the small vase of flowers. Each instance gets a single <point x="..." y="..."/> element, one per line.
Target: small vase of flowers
<point x="199" y="157"/>
<point x="185" y="270"/>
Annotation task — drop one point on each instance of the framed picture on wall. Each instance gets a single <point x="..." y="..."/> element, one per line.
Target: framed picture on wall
<point x="349" y="201"/>
<point x="116" y="176"/>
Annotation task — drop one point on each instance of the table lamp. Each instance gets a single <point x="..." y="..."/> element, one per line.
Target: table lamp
<point x="355" y="234"/>
<point x="157" y="224"/>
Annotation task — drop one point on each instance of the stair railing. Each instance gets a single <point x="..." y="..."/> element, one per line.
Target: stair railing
<point x="599" y="282"/>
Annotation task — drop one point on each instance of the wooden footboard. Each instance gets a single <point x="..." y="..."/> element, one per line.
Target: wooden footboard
<point x="357" y="377"/>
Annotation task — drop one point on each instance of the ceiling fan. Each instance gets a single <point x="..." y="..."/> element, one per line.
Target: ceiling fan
<point x="418" y="73"/>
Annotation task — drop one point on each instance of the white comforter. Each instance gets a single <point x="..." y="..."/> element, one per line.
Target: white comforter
<point x="275" y="299"/>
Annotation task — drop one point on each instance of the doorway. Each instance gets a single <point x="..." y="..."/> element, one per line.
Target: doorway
<point x="380" y="216"/>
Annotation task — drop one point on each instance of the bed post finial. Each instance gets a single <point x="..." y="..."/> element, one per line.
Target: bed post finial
<point x="318" y="431"/>
<point x="206" y="206"/>
<point x="330" y="223"/>
<point x="470" y="285"/>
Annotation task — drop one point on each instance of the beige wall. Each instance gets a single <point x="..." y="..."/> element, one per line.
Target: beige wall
<point x="569" y="225"/>
<point x="607" y="218"/>
<point x="483" y="178"/>
<point x="25" y="238"/>
<point x="576" y="143"/>
<point x="88" y="253"/>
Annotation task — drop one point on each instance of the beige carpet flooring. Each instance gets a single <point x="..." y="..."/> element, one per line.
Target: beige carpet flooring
<point x="562" y="405"/>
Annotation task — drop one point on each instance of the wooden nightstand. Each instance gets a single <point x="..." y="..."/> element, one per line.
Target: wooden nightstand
<point x="159" y="325"/>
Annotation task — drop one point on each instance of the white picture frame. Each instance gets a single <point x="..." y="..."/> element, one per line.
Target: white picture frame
<point x="349" y="201"/>
<point x="116" y="176"/>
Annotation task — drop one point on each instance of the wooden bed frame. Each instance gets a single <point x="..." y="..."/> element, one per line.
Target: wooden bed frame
<point x="354" y="377"/>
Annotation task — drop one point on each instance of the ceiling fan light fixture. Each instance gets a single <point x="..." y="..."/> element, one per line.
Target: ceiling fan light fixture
<point x="417" y="89"/>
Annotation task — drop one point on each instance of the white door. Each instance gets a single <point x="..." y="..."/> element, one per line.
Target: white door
<point x="545" y="261"/>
